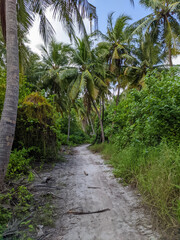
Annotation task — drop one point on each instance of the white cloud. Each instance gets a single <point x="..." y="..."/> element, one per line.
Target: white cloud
<point x="60" y="34"/>
<point x="176" y="60"/>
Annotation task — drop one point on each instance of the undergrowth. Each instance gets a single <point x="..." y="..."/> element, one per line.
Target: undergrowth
<point x="154" y="170"/>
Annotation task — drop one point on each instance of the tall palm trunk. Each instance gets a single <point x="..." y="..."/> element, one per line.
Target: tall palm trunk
<point x="170" y="56"/>
<point x="100" y="120"/>
<point x="9" y="114"/>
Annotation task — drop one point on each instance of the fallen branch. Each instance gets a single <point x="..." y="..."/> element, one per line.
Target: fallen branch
<point x="46" y="186"/>
<point x="94" y="187"/>
<point x="83" y="213"/>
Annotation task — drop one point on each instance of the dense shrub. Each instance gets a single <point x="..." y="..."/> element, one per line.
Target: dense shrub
<point x="19" y="164"/>
<point x="149" y="115"/>
<point x="144" y="135"/>
<point x="77" y="135"/>
<point x="36" y="126"/>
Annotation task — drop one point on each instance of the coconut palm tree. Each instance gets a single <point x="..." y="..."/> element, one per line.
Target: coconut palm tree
<point x="25" y="16"/>
<point x="146" y="55"/>
<point x="57" y="74"/>
<point x="116" y="37"/>
<point x="163" y="24"/>
<point x="9" y="114"/>
<point x="89" y="81"/>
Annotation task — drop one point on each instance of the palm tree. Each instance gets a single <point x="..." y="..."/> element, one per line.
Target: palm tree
<point x="146" y="55"/>
<point x="89" y="81"/>
<point x="9" y="114"/>
<point x="163" y="24"/>
<point x="9" y="17"/>
<point x="57" y="75"/>
<point x="116" y="41"/>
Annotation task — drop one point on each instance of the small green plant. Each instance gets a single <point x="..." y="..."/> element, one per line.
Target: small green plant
<point x="14" y="203"/>
<point x="5" y="216"/>
<point x="19" y="198"/>
<point x="19" y="164"/>
<point x="45" y="215"/>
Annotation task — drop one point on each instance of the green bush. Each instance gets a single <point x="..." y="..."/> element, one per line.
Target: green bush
<point x="144" y="135"/>
<point x="149" y="115"/>
<point x="36" y="127"/>
<point x="19" y="164"/>
<point x="18" y="201"/>
<point x="77" y="135"/>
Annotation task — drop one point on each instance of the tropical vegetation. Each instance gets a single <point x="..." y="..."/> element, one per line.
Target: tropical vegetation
<point x="120" y="93"/>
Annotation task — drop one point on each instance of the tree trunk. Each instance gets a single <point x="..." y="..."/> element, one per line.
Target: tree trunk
<point x="92" y="127"/>
<point x="100" y="121"/>
<point x="118" y="94"/>
<point x="9" y="113"/>
<point x="102" y="110"/>
<point x="170" y="56"/>
<point x="69" y="126"/>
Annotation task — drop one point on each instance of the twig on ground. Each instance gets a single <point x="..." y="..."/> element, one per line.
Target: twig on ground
<point x="83" y="213"/>
<point x="45" y="186"/>
<point x="85" y="173"/>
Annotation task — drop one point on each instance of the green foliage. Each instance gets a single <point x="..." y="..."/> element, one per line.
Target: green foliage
<point x="155" y="170"/>
<point x="5" y="216"/>
<point x="45" y="215"/>
<point x="19" y="163"/>
<point x="24" y="88"/>
<point x="144" y="134"/>
<point x="149" y="115"/>
<point x="15" y="203"/>
<point x="36" y="125"/>
<point x="19" y="198"/>
<point x="77" y="136"/>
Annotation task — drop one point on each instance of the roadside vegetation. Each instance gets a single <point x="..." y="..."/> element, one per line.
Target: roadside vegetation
<point x="144" y="138"/>
<point x="121" y="95"/>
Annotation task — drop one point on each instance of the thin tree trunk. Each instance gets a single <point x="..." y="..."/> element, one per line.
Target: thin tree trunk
<point x="69" y="126"/>
<point x="102" y="110"/>
<point x="9" y="113"/>
<point x="170" y="56"/>
<point x="90" y="120"/>
<point x="118" y="94"/>
<point x="100" y="121"/>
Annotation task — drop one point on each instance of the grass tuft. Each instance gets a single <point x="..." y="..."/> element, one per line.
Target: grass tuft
<point x="154" y="170"/>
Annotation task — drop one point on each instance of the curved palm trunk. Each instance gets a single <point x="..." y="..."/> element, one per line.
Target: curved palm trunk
<point x="9" y="114"/>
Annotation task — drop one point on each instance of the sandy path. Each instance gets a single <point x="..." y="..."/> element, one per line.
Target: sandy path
<point x="98" y="190"/>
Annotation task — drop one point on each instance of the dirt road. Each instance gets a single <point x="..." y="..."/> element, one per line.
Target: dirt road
<point x="87" y="185"/>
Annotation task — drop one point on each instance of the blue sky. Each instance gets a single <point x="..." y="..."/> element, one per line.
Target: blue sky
<point x="104" y="7"/>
